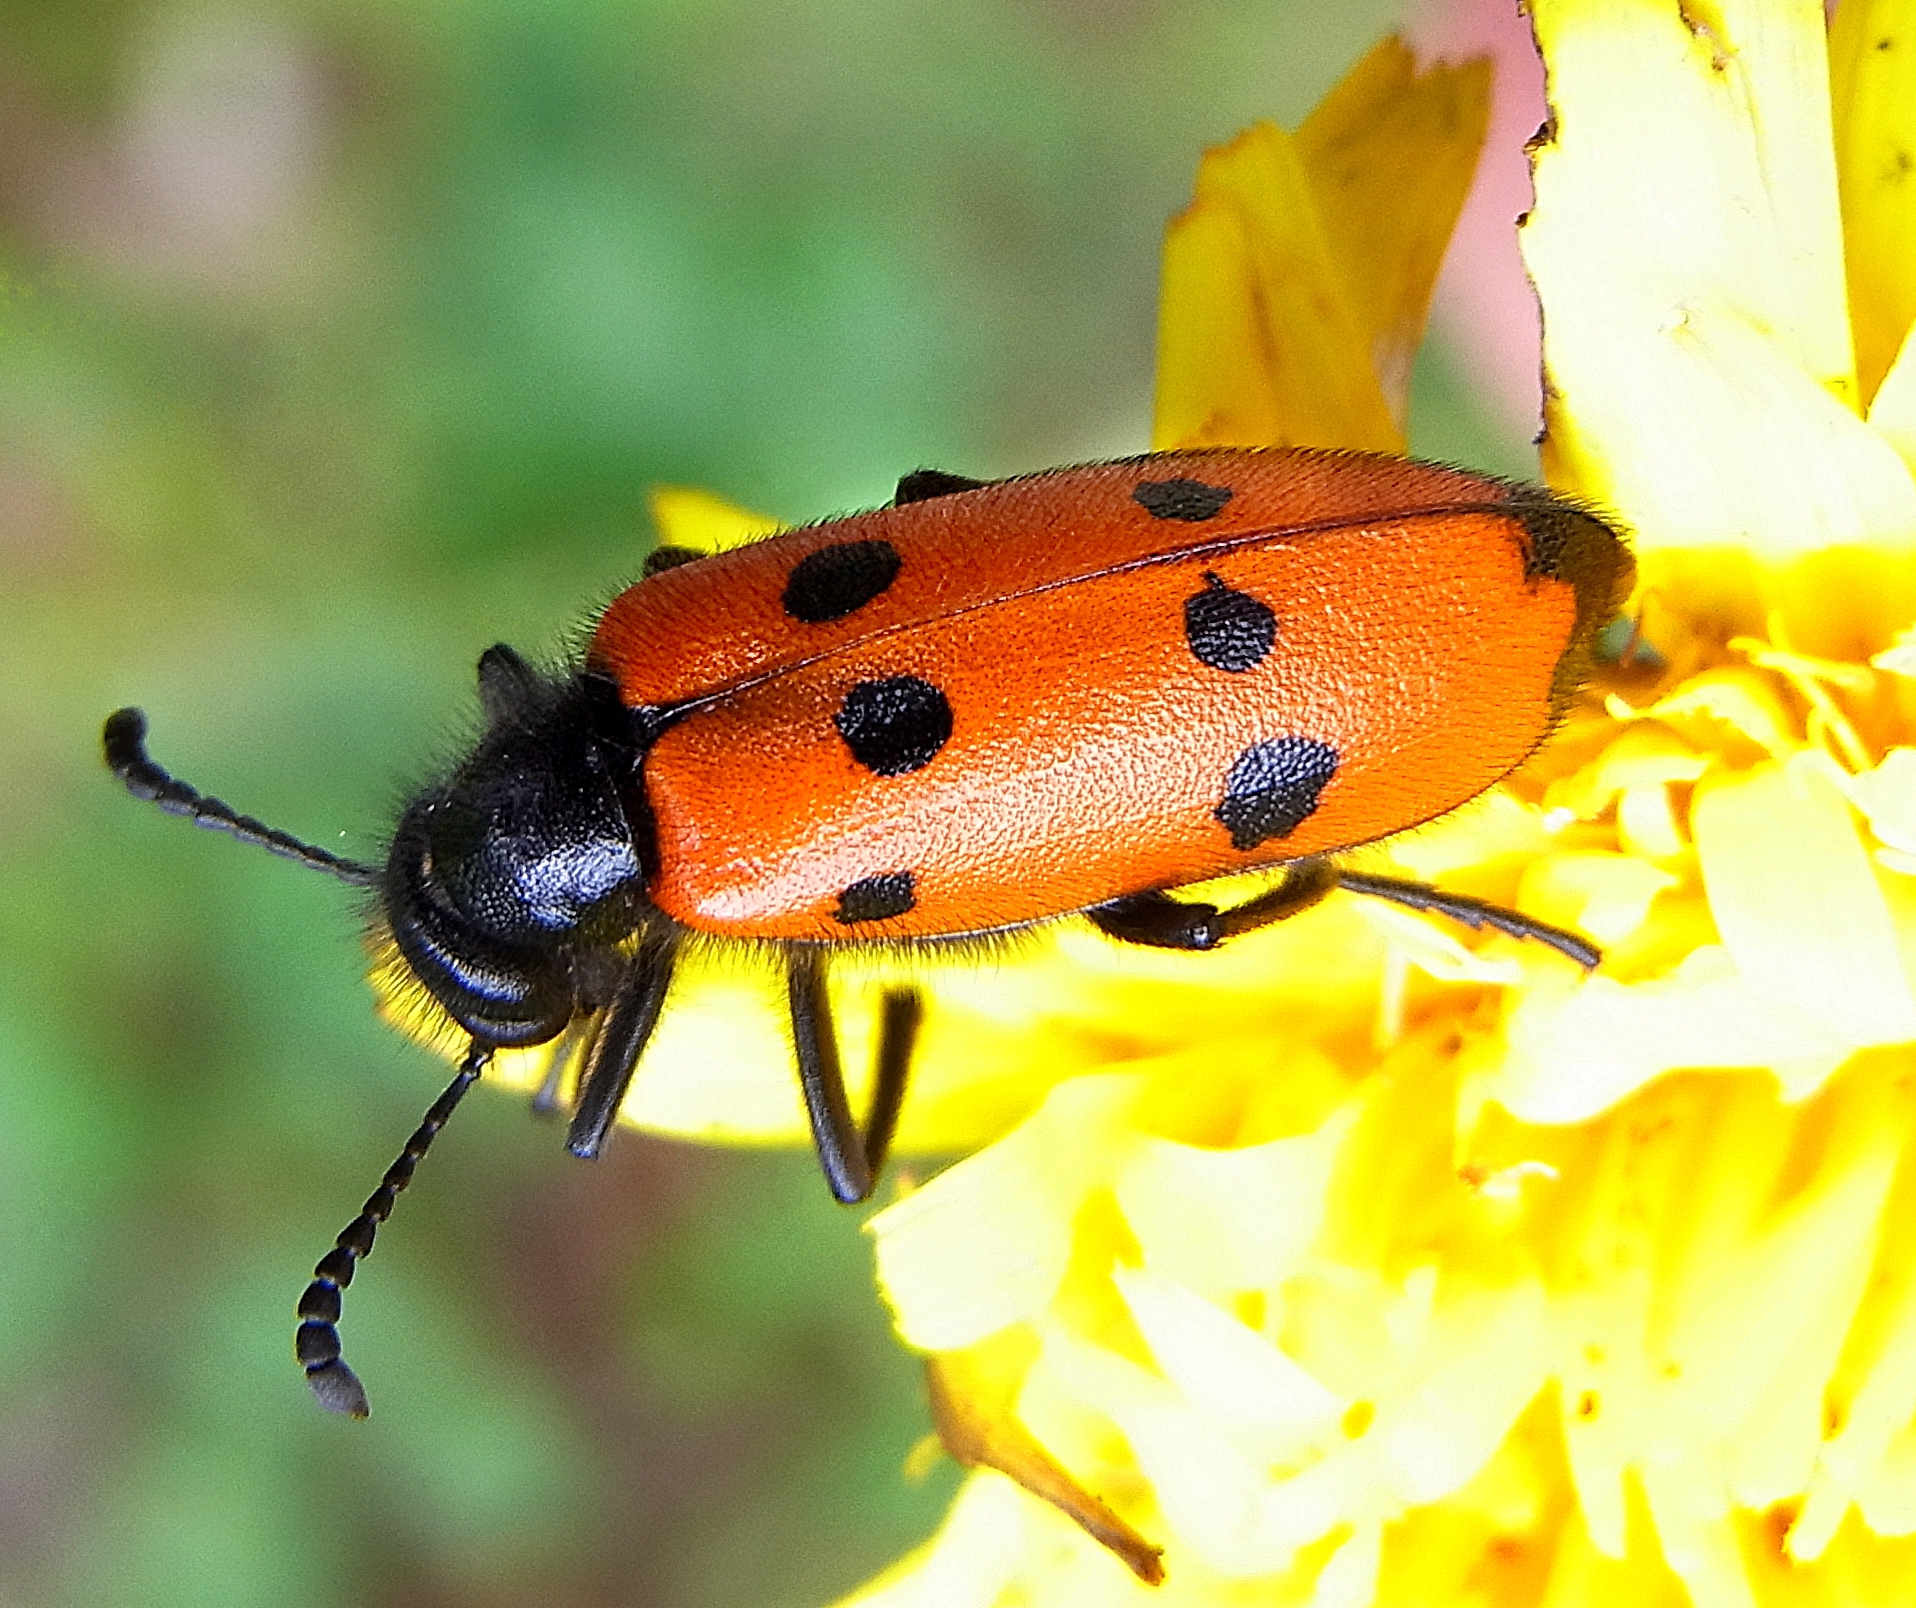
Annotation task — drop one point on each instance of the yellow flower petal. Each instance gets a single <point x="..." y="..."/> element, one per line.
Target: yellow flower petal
<point x="1892" y="413"/>
<point x="1687" y="245"/>
<point x="1606" y="896"/>
<point x="1808" y="928"/>
<point x="997" y="1547"/>
<point x="986" y="1243"/>
<point x="1642" y="753"/>
<point x="1261" y="1398"/>
<point x="1699" y="1222"/>
<point x="1296" y="285"/>
<point x="1226" y="1221"/>
<point x="1390" y="154"/>
<point x="973" y="1402"/>
<point x="1737" y="701"/>
<point x="1571" y="1056"/>
<point x="1900" y="657"/>
<point x="685" y="516"/>
<point x="1873" y="89"/>
<point x="1887" y="797"/>
<point x="1258" y="344"/>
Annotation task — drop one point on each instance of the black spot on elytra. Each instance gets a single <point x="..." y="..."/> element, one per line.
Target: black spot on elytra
<point x="895" y="726"/>
<point x="1565" y="542"/>
<point x="1189" y="500"/>
<point x="875" y="898"/>
<point x="1273" y="788"/>
<point x="1228" y="629"/>
<point x="839" y="580"/>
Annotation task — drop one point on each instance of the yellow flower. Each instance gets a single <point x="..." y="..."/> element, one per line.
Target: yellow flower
<point x="1361" y="1265"/>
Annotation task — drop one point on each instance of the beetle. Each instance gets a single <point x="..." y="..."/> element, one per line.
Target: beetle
<point x="980" y="708"/>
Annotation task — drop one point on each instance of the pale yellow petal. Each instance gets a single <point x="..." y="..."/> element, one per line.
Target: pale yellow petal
<point x="1688" y="251"/>
<point x="1435" y="945"/>
<point x="1797" y="902"/>
<point x="1871" y="1395"/>
<point x="974" y="1403"/>
<point x="1642" y="752"/>
<point x="1705" y="1214"/>
<point x="1604" y="896"/>
<point x="1487" y="1356"/>
<point x="1731" y="702"/>
<point x="1873" y="89"/>
<point x="1208" y="1488"/>
<point x="1892" y="411"/>
<point x="1225" y="1221"/>
<point x="1887" y="797"/>
<point x="1899" y="658"/>
<point x="1349" y="1578"/>
<point x="1693" y="1527"/>
<point x="1001" y="1548"/>
<point x="1263" y="1399"/>
<point x="1571" y="1056"/>
<point x="986" y="1242"/>
<point x="1691" y="153"/>
<point x="1650" y="825"/>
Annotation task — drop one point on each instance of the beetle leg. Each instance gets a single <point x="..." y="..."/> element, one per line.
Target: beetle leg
<point x="606" y="1072"/>
<point x="1158" y="920"/>
<point x="841" y="1149"/>
<point x="568" y="1052"/>
<point x="852" y="1158"/>
<point x="923" y="484"/>
<point x="1166" y="923"/>
<point x="898" y="1023"/>
<point x="669" y="555"/>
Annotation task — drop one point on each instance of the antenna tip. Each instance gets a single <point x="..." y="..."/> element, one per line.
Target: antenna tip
<point x="123" y="736"/>
<point x="338" y="1390"/>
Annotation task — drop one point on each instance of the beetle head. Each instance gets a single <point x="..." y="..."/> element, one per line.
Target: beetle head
<point x="509" y="885"/>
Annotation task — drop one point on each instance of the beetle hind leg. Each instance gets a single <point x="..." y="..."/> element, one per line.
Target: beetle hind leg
<point x="852" y="1157"/>
<point x="1161" y="922"/>
<point x="1474" y="913"/>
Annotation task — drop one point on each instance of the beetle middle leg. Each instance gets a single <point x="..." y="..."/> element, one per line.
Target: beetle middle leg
<point x="853" y="1157"/>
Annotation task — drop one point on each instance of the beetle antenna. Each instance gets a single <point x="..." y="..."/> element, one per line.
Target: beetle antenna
<point x="317" y="1343"/>
<point x="126" y="756"/>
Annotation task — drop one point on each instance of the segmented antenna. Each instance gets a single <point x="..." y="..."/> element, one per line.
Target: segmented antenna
<point x="126" y="756"/>
<point x="317" y="1343"/>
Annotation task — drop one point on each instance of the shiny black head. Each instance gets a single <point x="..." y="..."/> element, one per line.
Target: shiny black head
<point x="510" y="885"/>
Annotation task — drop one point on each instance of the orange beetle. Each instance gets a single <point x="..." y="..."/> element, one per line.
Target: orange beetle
<point x="983" y="707"/>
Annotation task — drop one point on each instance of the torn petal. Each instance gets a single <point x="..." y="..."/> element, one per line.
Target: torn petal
<point x="687" y="516"/>
<point x="1258" y="342"/>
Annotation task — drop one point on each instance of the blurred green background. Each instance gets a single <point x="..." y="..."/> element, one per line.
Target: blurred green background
<point x="338" y="340"/>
